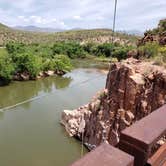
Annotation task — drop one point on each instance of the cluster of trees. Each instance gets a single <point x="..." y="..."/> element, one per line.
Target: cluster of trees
<point x="31" y="59"/>
<point x="70" y="49"/>
<point x="112" y="50"/>
<point x="76" y="50"/>
<point x="34" y="58"/>
<point x="6" y="69"/>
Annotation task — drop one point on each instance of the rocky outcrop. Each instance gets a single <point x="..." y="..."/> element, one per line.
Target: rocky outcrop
<point x="155" y="35"/>
<point x="133" y="90"/>
<point x="162" y="39"/>
<point x="24" y="76"/>
<point x="159" y="38"/>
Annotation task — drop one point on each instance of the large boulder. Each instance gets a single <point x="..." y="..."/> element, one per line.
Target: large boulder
<point x="133" y="90"/>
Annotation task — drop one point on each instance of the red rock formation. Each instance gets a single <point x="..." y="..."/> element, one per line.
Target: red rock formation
<point x="133" y="90"/>
<point x="155" y="35"/>
<point x="159" y="38"/>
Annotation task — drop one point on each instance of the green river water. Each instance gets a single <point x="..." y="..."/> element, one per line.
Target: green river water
<point x="30" y="134"/>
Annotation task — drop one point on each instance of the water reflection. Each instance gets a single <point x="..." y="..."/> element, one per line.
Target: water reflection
<point x="1" y="115"/>
<point x="20" y="91"/>
<point x="90" y="63"/>
<point x="30" y="133"/>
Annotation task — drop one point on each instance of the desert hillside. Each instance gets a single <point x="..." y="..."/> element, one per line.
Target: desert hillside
<point x="95" y="35"/>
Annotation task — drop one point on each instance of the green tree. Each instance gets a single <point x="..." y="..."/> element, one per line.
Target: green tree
<point x="105" y="49"/>
<point x="71" y="49"/>
<point x="29" y="63"/>
<point x="6" y="69"/>
<point x="62" y="63"/>
<point x="14" y="48"/>
<point x="120" y="52"/>
<point x="47" y="64"/>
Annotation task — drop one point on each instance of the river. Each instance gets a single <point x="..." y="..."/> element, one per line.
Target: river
<point x="30" y="133"/>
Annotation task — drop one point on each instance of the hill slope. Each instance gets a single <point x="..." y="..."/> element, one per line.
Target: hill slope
<point x="96" y="35"/>
<point x="2" y="26"/>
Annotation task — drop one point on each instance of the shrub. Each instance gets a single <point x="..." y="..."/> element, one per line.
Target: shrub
<point x="34" y="58"/>
<point x="71" y="49"/>
<point x="90" y="48"/>
<point x="121" y="52"/>
<point x="148" y="50"/>
<point x="62" y="63"/>
<point x="43" y="51"/>
<point x="14" y="48"/>
<point x="6" y="69"/>
<point x="108" y="50"/>
<point x="47" y="64"/>
<point x="160" y="59"/>
<point x="105" y="49"/>
<point x="29" y="63"/>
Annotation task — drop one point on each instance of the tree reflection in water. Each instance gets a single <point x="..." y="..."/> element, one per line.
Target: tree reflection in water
<point x="21" y="91"/>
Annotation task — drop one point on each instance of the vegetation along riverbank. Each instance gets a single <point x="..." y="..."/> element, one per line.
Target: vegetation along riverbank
<point x="29" y="61"/>
<point x="21" y="62"/>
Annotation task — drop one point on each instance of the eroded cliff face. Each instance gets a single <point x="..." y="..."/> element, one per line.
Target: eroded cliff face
<point x="133" y="90"/>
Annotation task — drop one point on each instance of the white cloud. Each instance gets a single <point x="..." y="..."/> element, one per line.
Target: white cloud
<point x="41" y="21"/>
<point x="77" y="17"/>
<point x="54" y="20"/>
<point x="100" y="18"/>
<point x="137" y="14"/>
<point x="37" y="19"/>
<point x="21" y="17"/>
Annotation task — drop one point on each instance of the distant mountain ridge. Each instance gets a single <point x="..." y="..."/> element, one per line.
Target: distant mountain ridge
<point x="133" y="32"/>
<point x="32" y="28"/>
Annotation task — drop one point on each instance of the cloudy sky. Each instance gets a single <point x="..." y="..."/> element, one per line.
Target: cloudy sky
<point x="67" y="14"/>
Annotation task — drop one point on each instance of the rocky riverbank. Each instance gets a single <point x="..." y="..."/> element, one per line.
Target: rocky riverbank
<point x="133" y="90"/>
<point x="25" y="76"/>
